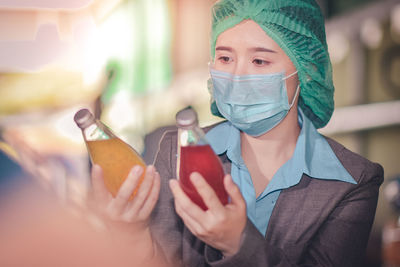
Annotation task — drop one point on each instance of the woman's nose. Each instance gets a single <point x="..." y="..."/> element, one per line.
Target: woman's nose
<point x="240" y="68"/>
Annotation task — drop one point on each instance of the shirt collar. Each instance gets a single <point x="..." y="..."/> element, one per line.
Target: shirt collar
<point x="313" y="155"/>
<point x="226" y="138"/>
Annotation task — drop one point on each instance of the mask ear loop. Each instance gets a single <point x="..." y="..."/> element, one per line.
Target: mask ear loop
<point x="297" y="89"/>
<point x="295" y="96"/>
<point x="290" y="75"/>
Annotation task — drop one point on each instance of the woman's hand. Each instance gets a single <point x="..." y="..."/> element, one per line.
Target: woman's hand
<point x="220" y="226"/>
<point x="128" y="220"/>
<point x="120" y="212"/>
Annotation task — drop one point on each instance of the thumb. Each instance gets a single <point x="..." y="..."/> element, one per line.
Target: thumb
<point x="234" y="192"/>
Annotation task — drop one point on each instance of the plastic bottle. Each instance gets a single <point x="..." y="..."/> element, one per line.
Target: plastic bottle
<point x="196" y="155"/>
<point x="115" y="157"/>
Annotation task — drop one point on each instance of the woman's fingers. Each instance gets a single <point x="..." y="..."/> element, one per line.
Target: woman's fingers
<point x="152" y="198"/>
<point x="142" y="194"/>
<point x="118" y="204"/>
<point x="187" y="210"/>
<point x="206" y="192"/>
<point x="192" y="224"/>
<point x="220" y="226"/>
<point x="100" y="192"/>
<point x="184" y="201"/>
<point x="234" y="192"/>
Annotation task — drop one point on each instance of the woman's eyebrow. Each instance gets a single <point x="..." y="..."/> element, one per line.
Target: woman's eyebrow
<point x="223" y="48"/>
<point x="262" y="49"/>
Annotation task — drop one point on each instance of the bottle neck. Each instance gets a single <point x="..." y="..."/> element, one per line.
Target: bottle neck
<point x="97" y="131"/>
<point x="191" y="136"/>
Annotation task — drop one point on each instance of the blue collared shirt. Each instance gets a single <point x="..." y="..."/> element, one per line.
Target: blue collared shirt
<point x="312" y="156"/>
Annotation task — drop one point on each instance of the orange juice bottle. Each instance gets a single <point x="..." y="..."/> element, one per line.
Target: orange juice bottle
<point x="115" y="157"/>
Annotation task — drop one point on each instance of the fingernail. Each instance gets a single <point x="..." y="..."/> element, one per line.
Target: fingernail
<point x="136" y="169"/>
<point x="194" y="177"/>
<point x="230" y="181"/>
<point x="150" y="169"/>
<point x="96" y="168"/>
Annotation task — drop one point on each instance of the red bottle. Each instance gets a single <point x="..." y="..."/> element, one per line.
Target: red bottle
<point x="196" y="155"/>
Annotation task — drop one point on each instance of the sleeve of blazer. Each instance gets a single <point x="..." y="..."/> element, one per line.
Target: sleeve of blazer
<point x="340" y="241"/>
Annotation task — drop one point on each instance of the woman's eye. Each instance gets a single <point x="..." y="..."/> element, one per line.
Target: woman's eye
<point x="224" y="59"/>
<point x="260" y="62"/>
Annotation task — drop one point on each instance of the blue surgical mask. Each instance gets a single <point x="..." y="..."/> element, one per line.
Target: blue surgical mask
<point x="252" y="103"/>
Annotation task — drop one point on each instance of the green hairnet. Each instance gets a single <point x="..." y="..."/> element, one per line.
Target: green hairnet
<point x="298" y="28"/>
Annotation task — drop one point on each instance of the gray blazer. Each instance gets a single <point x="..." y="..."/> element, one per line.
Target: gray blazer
<point x="315" y="223"/>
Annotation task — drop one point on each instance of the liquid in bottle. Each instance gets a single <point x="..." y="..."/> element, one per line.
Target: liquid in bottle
<point x="196" y="155"/>
<point x="115" y="157"/>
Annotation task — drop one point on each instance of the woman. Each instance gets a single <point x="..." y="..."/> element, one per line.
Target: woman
<point x="297" y="198"/>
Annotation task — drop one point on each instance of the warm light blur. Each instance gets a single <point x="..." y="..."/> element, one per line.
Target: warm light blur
<point x="37" y="230"/>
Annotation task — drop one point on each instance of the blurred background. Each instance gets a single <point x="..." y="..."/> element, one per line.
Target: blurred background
<point x="135" y="63"/>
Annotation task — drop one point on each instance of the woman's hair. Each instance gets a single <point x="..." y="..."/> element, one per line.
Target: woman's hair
<point x="298" y="28"/>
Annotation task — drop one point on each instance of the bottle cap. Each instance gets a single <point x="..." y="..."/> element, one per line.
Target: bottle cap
<point x="83" y="118"/>
<point x="186" y="118"/>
